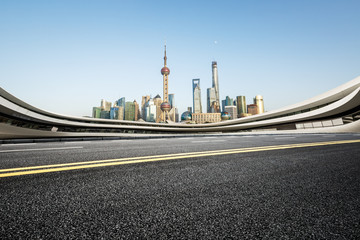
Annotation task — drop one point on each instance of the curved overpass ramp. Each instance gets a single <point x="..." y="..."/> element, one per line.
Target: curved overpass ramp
<point x="337" y="110"/>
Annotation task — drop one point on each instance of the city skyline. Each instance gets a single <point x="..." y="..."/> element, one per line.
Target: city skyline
<point x="63" y="56"/>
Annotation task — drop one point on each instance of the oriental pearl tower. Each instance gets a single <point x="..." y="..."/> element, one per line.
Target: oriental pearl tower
<point x="165" y="71"/>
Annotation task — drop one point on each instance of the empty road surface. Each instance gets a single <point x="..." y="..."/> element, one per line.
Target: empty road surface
<point x="224" y="187"/>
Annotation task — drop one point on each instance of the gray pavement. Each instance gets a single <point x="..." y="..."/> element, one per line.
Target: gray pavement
<point x="299" y="193"/>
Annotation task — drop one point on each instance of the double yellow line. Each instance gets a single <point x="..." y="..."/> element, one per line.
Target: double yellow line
<point x="121" y="161"/>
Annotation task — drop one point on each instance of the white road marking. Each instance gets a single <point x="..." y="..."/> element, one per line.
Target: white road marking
<point x="199" y="141"/>
<point x="17" y="144"/>
<point x="38" y="149"/>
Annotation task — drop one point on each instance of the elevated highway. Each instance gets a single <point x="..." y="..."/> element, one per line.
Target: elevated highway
<point x="334" y="111"/>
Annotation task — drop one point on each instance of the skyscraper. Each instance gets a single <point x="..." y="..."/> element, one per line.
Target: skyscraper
<point x="129" y="111"/>
<point x="137" y="111"/>
<point x="105" y="114"/>
<point x="223" y="104"/>
<point x="259" y="101"/>
<point x="105" y="106"/>
<point x="172" y="100"/>
<point x="232" y="111"/>
<point x="228" y="101"/>
<point x="159" y="114"/>
<point x="211" y="97"/>
<point x="241" y="105"/>
<point x="197" y="108"/>
<point x="96" y="112"/>
<point x="215" y="81"/>
<point x="114" y="111"/>
<point x="121" y="103"/>
<point x="121" y="112"/>
<point x="144" y="100"/>
<point x="150" y="111"/>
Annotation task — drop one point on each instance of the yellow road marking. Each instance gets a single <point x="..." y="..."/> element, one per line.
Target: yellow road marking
<point x="121" y="161"/>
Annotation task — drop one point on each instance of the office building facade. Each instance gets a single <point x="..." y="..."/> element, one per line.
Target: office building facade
<point x="215" y="80"/>
<point x="232" y="111"/>
<point x="259" y="101"/>
<point x="96" y="112"/>
<point x="172" y="100"/>
<point x="211" y="99"/>
<point x="241" y="105"/>
<point x="200" y="118"/>
<point x="252" y="109"/>
<point x="197" y="108"/>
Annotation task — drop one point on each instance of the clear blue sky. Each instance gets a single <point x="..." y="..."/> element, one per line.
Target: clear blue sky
<point x="65" y="56"/>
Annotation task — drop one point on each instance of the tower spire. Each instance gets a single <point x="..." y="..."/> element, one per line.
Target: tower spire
<point x="165" y="58"/>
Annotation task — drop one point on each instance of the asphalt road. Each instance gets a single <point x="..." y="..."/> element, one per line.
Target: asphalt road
<point x="234" y="187"/>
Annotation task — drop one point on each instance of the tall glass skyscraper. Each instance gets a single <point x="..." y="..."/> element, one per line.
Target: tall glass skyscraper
<point x="211" y="97"/>
<point x="197" y="108"/>
<point x="229" y="101"/>
<point x="172" y="100"/>
<point x="215" y="80"/>
<point x="121" y="103"/>
<point x="241" y="105"/>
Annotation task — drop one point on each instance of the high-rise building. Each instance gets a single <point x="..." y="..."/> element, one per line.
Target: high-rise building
<point x="136" y="110"/>
<point x="232" y="111"/>
<point x="150" y="111"/>
<point x="172" y="114"/>
<point x="197" y="108"/>
<point x="215" y="80"/>
<point x="105" y="114"/>
<point x="229" y="101"/>
<point x="252" y="109"/>
<point x="241" y="105"/>
<point x="159" y="113"/>
<point x="223" y="104"/>
<point x="121" y="103"/>
<point x="211" y="98"/>
<point x="172" y="100"/>
<point x="105" y="106"/>
<point x="114" y="112"/>
<point x="176" y="115"/>
<point x="96" y="112"/>
<point x="215" y="108"/>
<point x="259" y="101"/>
<point x="129" y="111"/>
<point x="144" y="100"/>
<point x="120" y="114"/>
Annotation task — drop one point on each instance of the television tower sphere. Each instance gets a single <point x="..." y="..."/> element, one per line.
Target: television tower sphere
<point x="165" y="71"/>
<point x="165" y="107"/>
